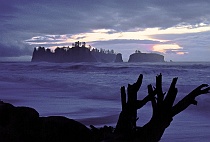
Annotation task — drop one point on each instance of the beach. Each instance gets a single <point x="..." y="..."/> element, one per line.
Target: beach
<point x="90" y="92"/>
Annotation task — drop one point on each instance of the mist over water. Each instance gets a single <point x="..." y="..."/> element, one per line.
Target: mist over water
<point x="90" y="92"/>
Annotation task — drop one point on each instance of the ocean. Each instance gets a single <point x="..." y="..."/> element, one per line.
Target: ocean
<point x="90" y="92"/>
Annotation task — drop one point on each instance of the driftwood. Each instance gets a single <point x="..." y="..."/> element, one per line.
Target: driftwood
<point x="163" y="110"/>
<point x="24" y="124"/>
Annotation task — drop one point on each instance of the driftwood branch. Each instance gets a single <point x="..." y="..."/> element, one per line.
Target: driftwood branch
<point x="190" y="99"/>
<point x="163" y="109"/>
<point x="126" y="124"/>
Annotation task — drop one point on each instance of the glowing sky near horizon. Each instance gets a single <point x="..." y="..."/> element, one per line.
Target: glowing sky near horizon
<point x="147" y="34"/>
<point x="179" y="30"/>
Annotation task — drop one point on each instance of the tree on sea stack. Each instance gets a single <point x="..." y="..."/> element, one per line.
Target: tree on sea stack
<point x="163" y="110"/>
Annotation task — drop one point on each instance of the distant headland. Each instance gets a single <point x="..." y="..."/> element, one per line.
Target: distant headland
<point x="80" y="53"/>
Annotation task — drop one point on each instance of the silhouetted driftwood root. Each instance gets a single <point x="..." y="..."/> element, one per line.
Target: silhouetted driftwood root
<point x="23" y="124"/>
<point x="163" y="109"/>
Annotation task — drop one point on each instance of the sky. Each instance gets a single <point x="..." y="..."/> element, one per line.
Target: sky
<point x="177" y="29"/>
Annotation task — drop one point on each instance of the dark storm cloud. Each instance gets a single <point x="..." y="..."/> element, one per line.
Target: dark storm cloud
<point x="53" y="17"/>
<point x="61" y="17"/>
<point x="13" y="51"/>
<point x="7" y="8"/>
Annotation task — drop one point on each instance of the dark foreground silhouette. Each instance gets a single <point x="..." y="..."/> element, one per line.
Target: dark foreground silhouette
<point x="23" y="124"/>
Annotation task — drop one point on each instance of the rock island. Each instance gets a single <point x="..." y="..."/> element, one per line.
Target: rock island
<point x="80" y="53"/>
<point x="77" y="53"/>
<point x="146" y="57"/>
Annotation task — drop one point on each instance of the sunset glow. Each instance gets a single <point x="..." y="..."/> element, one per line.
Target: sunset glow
<point x="109" y="34"/>
<point x="164" y="47"/>
<point x="169" y="28"/>
<point x="181" y="53"/>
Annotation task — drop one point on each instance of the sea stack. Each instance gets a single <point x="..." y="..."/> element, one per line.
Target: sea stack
<point x="146" y="57"/>
<point x="118" y="58"/>
<point x="77" y="53"/>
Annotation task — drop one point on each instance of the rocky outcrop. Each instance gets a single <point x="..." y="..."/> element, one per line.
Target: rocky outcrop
<point x="118" y="58"/>
<point x="62" y="55"/>
<point x="77" y="53"/>
<point x="146" y="57"/>
<point x="103" y="57"/>
<point x="23" y="124"/>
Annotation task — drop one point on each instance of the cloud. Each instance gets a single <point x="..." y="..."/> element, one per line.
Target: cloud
<point x="188" y="41"/>
<point x="45" y="22"/>
<point x="46" y="39"/>
<point x="125" y="41"/>
<point x="62" y="17"/>
<point x="166" y="48"/>
<point x="13" y="51"/>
